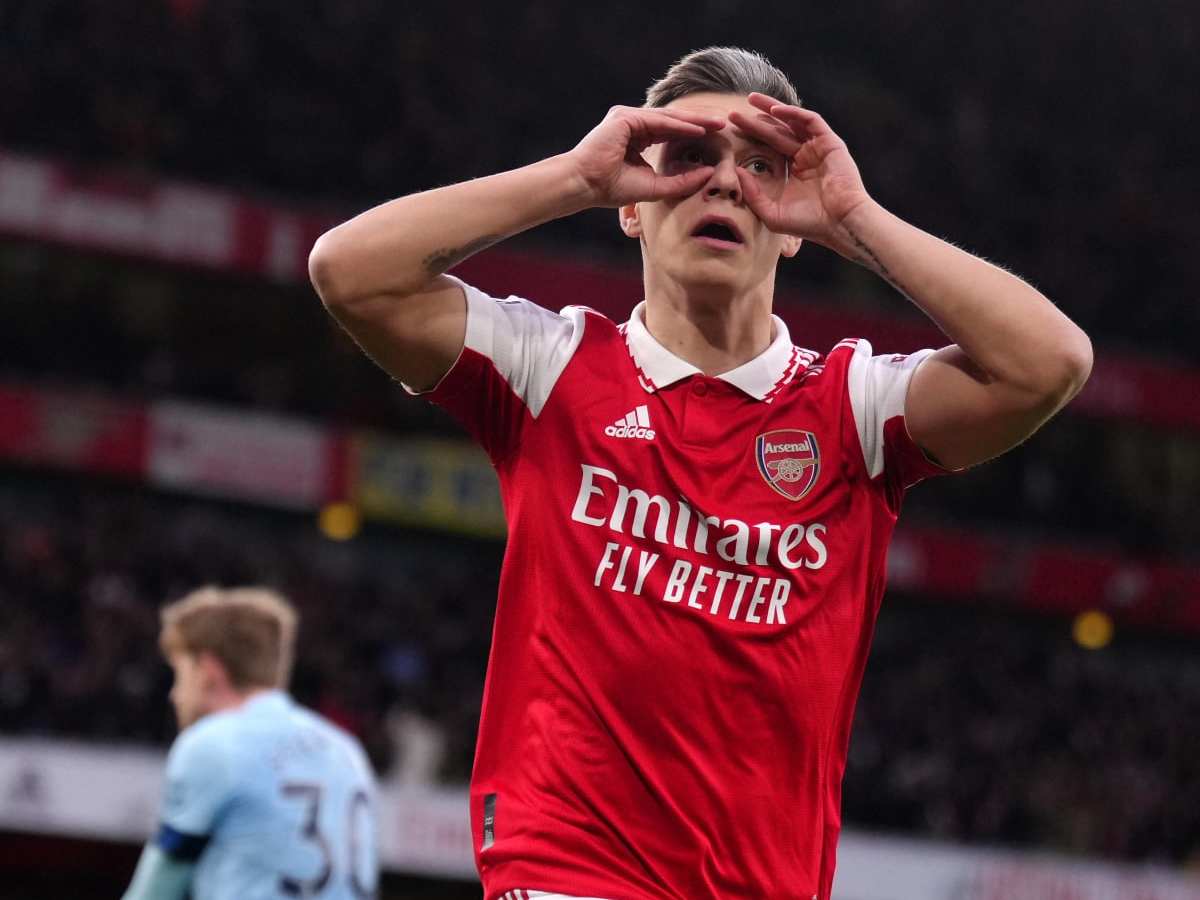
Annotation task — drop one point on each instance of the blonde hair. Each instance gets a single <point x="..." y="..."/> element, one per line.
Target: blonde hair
<point x="721" y="70"/>
<point x="250" y="630"/>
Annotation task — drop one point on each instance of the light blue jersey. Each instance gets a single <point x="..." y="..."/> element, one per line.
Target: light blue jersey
<point x="272" y="801"/>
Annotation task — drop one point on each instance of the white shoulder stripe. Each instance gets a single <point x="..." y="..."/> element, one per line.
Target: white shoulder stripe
<point x="529" y="346"/>
<point x="878" y="387"/>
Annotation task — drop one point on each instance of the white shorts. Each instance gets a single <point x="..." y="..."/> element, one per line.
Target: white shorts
<point x="540" y="895"/>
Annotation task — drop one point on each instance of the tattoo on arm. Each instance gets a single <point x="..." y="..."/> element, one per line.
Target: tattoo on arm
<point x="865" y="255"/>
<point x="439" y="261"/>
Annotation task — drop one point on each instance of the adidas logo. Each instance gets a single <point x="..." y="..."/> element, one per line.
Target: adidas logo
<point x="635" y="424"/>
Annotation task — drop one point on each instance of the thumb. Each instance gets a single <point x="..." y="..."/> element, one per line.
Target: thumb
<point x="753" y="194"/>
<point x="680" y="185"/>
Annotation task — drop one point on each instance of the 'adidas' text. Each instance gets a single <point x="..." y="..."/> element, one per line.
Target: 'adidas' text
<point x="634" y="424"/>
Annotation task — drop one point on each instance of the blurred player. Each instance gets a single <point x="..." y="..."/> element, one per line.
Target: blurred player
<point x="263" y="798"/>
<point x="699" y="510"/>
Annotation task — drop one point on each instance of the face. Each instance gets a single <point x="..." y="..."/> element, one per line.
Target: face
<point x="192" y="690"/>
<point x="676" y="241"/>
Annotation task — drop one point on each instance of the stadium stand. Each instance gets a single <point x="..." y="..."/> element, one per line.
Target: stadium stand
<point x="350" y="103"/>
<point x="981" y="721"/>
<point x="395" y="631"/>
<point x="149" y="332"/>
<point x="973" y="725"/>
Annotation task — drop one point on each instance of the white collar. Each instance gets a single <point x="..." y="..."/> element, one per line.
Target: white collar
<point x="761" y="377"/>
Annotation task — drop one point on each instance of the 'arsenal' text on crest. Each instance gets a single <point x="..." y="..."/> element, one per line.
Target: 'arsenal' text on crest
<point x="789" y="460"/>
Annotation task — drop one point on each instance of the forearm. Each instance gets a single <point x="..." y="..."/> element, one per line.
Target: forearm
<point x="1011" y="331"/>
<point x="159" y="877"/>
<point x="399" y="247"/>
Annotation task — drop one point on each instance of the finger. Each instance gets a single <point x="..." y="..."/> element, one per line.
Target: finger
<point x="789" y="112"/>
<point x="705" y="123"/>
<point x="763" y="101"/>
<point x="646" y="134"/>
<point x="802" y="119"/>
<point x="648" y="129"/>
<point x="775" y="134"/>
<point x="667" y="186"/>
<point x="758" y="202"/>
<point x="708" y="122"/>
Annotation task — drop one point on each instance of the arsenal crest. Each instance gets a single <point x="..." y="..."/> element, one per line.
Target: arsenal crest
<point x="789" y="459"/>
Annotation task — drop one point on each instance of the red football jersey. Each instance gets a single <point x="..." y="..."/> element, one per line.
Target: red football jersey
<point x="693" y="572"/>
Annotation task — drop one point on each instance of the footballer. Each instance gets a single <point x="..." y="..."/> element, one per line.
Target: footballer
<point x="263" y="798"/>
<point x="699" y="507"/>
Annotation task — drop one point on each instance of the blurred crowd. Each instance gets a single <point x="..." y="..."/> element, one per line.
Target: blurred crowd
<point x="980" y="727"/>
<point x="148" y="333"/>
<point x="1045" y="136"/>
<point x="970" y="726"/>
<point x="393" y="640"/>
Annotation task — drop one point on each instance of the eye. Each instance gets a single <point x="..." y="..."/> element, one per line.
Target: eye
<point x="760" y="166"/>
<point x="692" y="156"/>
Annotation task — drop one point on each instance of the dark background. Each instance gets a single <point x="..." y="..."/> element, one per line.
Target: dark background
<point x="1054" y="138"/>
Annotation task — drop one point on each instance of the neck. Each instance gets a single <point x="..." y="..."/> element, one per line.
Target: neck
<point x="233" y="698"/>
<point x="715" y="330"/>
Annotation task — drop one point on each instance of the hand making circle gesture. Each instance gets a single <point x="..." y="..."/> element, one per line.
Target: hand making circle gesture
<point x="823" y="184"/>
<point x="609" y="158"/>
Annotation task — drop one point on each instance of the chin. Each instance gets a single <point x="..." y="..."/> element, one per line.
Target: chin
<point x="712" y="277"/>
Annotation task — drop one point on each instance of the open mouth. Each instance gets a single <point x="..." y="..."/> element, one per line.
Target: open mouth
<point x="718" y="233"/>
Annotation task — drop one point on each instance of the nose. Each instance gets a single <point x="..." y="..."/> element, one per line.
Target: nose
<point x="724" y="182"/>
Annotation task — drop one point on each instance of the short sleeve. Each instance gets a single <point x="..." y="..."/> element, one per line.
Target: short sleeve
<point x="878" y="387"/>
<point x="513" y="354"/>
<point x="199" y="784"/>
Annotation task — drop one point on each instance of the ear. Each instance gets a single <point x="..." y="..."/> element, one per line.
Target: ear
<point x="631" y="220"/>
<point x="213" y="677"/>
<point x="791" y="245"/>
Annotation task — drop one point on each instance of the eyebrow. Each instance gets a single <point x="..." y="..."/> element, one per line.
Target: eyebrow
<point x="751" y="139"/>
<point x="743" y="135"/>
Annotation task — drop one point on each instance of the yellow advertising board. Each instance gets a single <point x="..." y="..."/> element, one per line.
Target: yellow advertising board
<point x="424" y="482"/>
